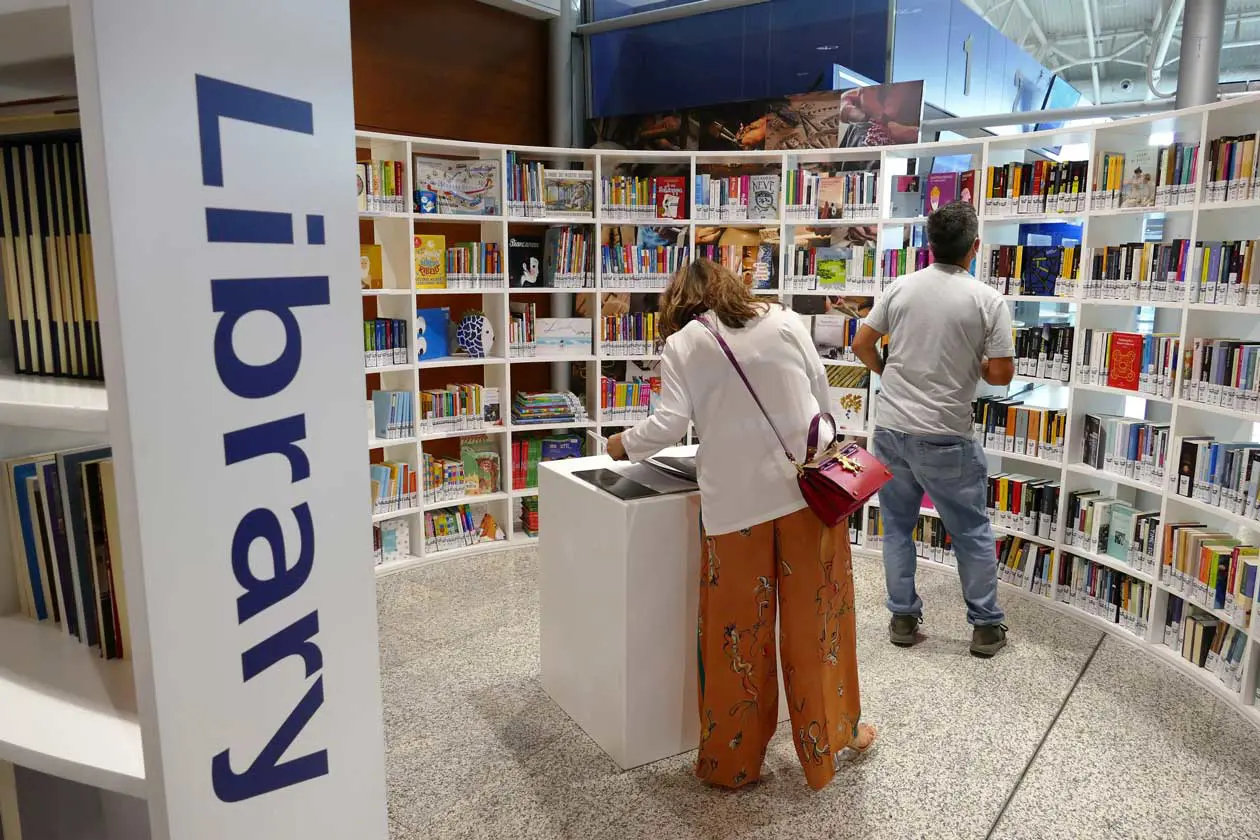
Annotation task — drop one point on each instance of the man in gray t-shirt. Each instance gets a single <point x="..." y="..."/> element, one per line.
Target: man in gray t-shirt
<point x="946" y="332"/>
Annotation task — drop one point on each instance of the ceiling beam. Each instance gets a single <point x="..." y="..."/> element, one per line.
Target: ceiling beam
<point x="1088" y="7"/>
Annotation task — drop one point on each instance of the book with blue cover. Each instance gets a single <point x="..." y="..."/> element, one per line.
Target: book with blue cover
<point x="74" y="502"/>
<point x="433" y="328"/>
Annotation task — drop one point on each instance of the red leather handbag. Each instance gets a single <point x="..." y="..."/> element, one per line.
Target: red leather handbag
<point x="836" y="480"/>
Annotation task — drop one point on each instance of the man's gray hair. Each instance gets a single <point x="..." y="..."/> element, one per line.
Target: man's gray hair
<point x="952" y="230"/>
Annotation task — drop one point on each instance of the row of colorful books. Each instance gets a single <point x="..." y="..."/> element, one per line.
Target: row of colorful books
<point x="455" y="187"/>
<point x="1210" y="569"/>
<point x="758" y="265"/>
<point x="922" y="195"/>
<point x="64" y="536"/>
<point x="1223" y="372"/>
<point x="1102" y="524"/>
<point x="533" y="190"/>
<point x="641" y="266"/>
<point x="627" y="402"/>
<point x="385" y="342"/>
<point x="476" y="472"/>
<point x="1007" y="425"/>
<point x="1148" y="177"/>
<point x="382" y="186"/>
<point x="1228" y="273"/>
<point x="1043" y="270"/>
<point x="1024" y="563"/>
<point x="1232" y="168"/>
<point x="464" y="265"/>
<point x="522" y="330"/>
<point x="1105" y="592"/>
<point x="1140" y="362"/>
<point x="528" y="452"/>
<point x="394" y="486"/>
<point x="815" y="268"/>
<point x="49" y="277"/>
<point x="831" y="195"/>
<point x="393" y="415"/>
<point x="643" y="197"/>
<point x="1044" y="351"/>
<point x="1040" y="187"/>
<point x="1138" y="271"/>
<point x="1024" y="503"/>
<point x="459" y="407"/>
<point x="1124" y="446"/>
<point x="547" y="407"/>
<point x="459" y="527"/>
<point x="897" y="262"/>
<point x="528" y="521"/>
<point x="1205" y="641"/>
<point x="633" y="334"/>
<point x="735" y="198"/>
<point x="1224" y="474"/>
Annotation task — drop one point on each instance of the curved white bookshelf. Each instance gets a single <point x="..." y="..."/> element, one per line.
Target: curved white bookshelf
<point x="1195" y="219"/>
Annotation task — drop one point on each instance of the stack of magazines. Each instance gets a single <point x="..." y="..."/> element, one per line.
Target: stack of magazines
<point x="547" y="408"/>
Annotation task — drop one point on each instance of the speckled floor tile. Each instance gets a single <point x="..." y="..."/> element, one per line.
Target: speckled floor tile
<point x="1140" y="751"/>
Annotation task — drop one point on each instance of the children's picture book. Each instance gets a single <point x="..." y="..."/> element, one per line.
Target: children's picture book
<point x="433" y="333"/>
<point x="763" y="201"/>
<point x="671" y="197"/>
<point x="1138" y="186"/>
<point x="371" y="275"/>
<point x="942" y="188"/>
<point x="482" y="465"/>
<point x="430" y="261"/>
<point x="569" y="193"/>
<point x="463" y="188"/>
<point x="563" y="336"/>
<point x="525" y="261"/>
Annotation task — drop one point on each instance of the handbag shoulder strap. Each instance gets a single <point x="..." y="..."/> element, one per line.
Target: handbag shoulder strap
<point x="726" y="349"/>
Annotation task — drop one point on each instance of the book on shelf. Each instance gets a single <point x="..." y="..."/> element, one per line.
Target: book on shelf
<point x="382" y="186"/>
<point x="1146" y="177"/>
<point x="48" y="273"/>
<point x="1228" y="273"/>
<point x="1137" y="449"/>
<point x="525" y="257"/>
<point x="907" y="197"/>
<point x="393" y="415"/>
<point x="942" y="189"/>
<point x="831" y="195"/>
<point x="641" y="266"/>
<point x="643" y="198"/>
<point x="833" y="336"/>
<point x="1223" y="474"/>
<point x="737" y="198"/>
<point x="433" y="333"/>
<point x="632" y="334"/>
<point x="391" y="541"/>
<point x="898" y="262"/>
<point x="1138" y="187"/>
<point x="1044" y="351"/>
<point x="1139" y="271"/>
<point x="371" y="274"/>
<point x="763" y="199"/>
<point x="564" y="336"/>
<point x="1041" y="270"/>
<point x="567" y="257"/>
<point x="430" y="250"/>
<point x="547" y="407"/>
<point x="462" y="407"/>
<point x="1042" y="187"/>
<point x="1223" y="372"/>
<point x="393" y="486"/>
<point x="1205" y="641"/>
<point x="849" y="387"/>
<point x="627" y="402"/>
<point x="1138" y="362"/>
<point x="63" y="526"/>
<point x="474" y="265"/>
<point x="1023" y="563"/>
<point x="857" y="274"/>
<point x="529" y="451"/>
<point x="529" y="516"/>
<point x="569" y="193"/>
<point x="483" y="468"/>
<point x="1105" y="592"/>
<point x="455" y="187"/>
<point x="757" y="264"/>
<point x="524" y="182"/>
<point x="460" y="526"/>
<point x="1232" y="165"/>
<point x="1007" y="425"/>
<point x="522" y="330"/>
<point x="385" y="342"/>
<point x="1024" y="503"/>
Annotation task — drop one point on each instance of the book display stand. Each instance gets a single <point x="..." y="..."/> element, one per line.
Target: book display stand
<point x="245" y="701"/>
<point x="1111" y="429"/>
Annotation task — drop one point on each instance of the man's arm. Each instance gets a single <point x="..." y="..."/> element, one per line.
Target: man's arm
<point x="998" y="371"/>
<point x="866" y="348"/>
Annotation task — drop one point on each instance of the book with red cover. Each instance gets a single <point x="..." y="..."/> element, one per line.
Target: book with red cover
<point x="671" y="197"/>
<point x="1126" y="361"/>
<point x="967" y="188"/>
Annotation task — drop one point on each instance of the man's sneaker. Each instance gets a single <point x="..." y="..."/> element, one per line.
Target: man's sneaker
<point x="903" y="630"/>
<point x="988" y="640"/>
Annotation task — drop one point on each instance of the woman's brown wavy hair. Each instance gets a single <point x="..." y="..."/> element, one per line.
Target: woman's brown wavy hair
<point x="704" y="286"/>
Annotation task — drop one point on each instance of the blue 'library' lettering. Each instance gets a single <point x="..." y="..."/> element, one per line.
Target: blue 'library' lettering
<point x="290" y="565"/>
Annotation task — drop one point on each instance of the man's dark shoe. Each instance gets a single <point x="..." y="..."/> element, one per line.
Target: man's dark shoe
<point x="903" y="630"/>
<point x="988" y="640"/>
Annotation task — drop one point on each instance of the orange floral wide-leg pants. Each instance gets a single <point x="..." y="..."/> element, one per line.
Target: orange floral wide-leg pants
<point x="801" y="570"/>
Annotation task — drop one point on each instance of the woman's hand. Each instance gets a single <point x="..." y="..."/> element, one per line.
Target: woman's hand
<point x="616" y="450"/>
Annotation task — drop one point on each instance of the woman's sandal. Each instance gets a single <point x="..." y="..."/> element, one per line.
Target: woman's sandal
<point x="862" y="744"/>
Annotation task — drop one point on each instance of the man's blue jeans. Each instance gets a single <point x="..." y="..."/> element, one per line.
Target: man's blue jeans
<point x="953" y="472"/>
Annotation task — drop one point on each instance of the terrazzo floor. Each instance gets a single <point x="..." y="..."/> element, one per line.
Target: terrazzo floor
<point x="1066" y="734"/>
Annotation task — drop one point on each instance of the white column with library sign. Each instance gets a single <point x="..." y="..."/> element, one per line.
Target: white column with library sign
<point x="183" y="622"/>
<point x="1123" y="487"/>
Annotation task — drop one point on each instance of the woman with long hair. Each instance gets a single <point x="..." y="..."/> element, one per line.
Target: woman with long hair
<point x="764" y="552"/>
